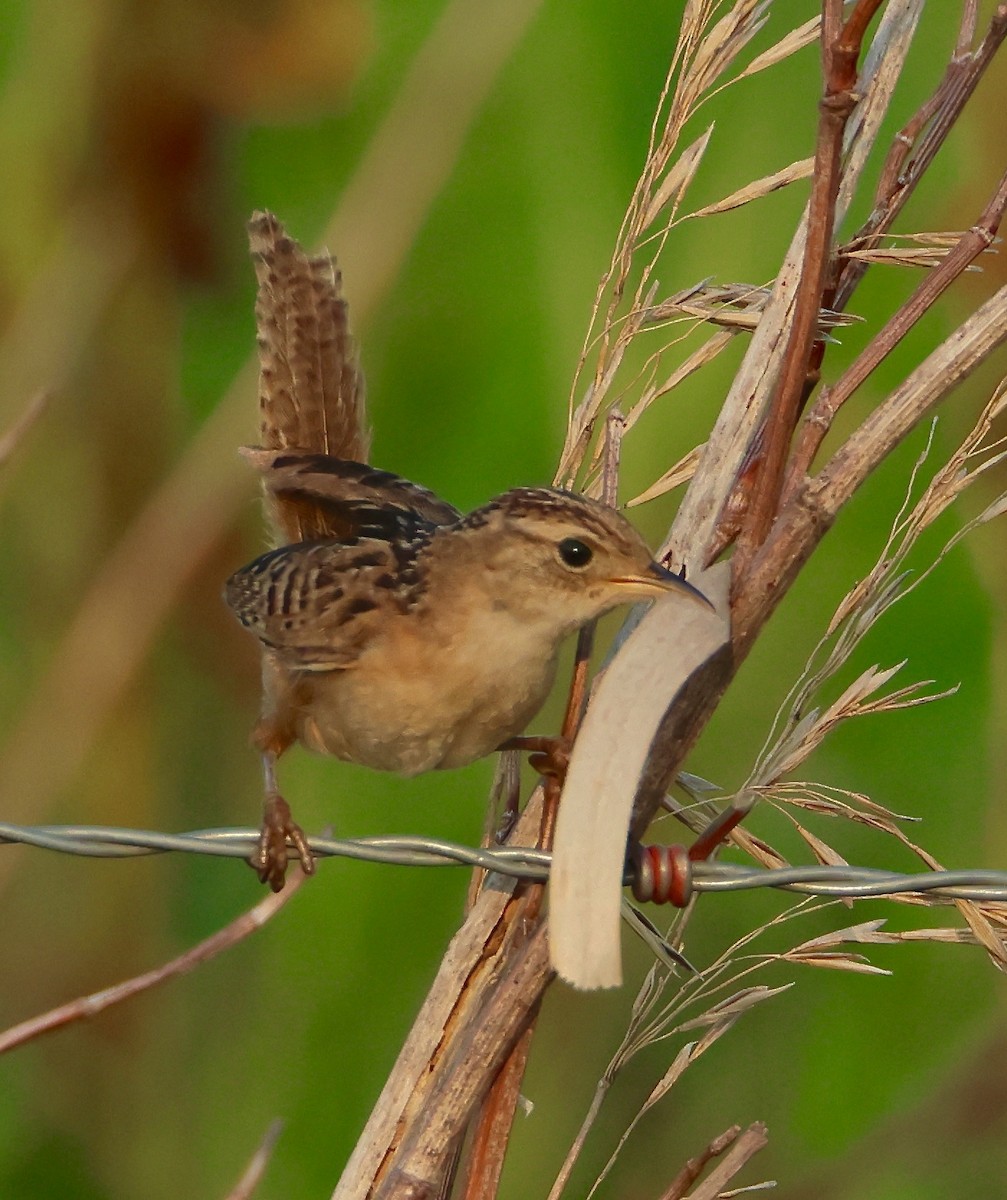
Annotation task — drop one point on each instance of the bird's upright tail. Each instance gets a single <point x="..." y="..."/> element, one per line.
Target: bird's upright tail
<point x="311" y="388"/>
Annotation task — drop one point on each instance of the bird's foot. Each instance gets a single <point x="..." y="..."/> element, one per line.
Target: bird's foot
<point x="549" y="755"/>
<point x="272" y="853"/>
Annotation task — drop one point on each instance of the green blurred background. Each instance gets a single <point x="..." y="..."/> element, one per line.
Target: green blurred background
<point x="135" y="140"/>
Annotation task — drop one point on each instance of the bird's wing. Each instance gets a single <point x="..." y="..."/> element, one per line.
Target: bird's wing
<point x="316" y="605"/>
<point x="347" y="499"/>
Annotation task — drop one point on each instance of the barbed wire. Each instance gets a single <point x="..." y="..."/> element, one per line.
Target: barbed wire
<point x="846" y="881"/>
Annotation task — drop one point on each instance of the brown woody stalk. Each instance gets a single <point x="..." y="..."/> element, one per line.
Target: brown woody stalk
<point x="840" y="54"/>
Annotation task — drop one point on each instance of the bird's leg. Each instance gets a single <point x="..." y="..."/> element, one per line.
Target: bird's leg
<point x="505" y="799"/>
<point x="548" y="755"/>
<point x="271" y="854"/>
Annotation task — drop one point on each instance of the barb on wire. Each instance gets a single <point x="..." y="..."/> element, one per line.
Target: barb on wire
<point x="843" y="880"/>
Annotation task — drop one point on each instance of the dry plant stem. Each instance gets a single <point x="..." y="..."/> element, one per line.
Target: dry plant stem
<point x="519" y="922"/>
<point x="253" y="1173"/>
<point x="496" y="1114"/>
<point x="500" y="1017"/>
<point x="923" y="136"/>
<point x="434" y="1086"/>
<point x="88" y="1006"/>
<point x="692" y="1170"/>
<point x="805" y="519"/>
<point x="488" y="1149"/>
<point x="840" y="67"/>
<point x="741" y="1150"/>
<point x="818" y="422"/>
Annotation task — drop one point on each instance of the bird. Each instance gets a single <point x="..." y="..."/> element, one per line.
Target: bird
<point x="396" y="632"/>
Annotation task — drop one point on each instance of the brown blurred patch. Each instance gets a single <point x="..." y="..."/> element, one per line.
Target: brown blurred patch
<point x="171" y="82"/>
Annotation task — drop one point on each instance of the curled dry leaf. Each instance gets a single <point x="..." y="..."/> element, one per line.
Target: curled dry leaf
<point x="627" y="705"/>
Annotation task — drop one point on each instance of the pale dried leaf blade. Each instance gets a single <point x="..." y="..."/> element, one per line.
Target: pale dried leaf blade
<point x="732" y="1008"/>
<point x="803" y="169"/>
<point x="795" y="40"/>
<point x="696" y="361"/>
<point x="837" y="961"/>
<point x="673" y="640"/>
<point x="680" y="473"/>
<point x="866" y="931"/>
<point x="680" y="175"/>
<point x="822" y="851"/>
<point x="684" y="1058"/>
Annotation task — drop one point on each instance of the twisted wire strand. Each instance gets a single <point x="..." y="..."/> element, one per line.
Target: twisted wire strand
<point x="109" y="841"/>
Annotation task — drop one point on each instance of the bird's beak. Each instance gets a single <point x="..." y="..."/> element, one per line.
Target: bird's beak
<point x="660" y="579"/>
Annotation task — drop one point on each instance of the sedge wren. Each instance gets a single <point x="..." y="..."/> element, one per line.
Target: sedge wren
<point x="395" y="632"/>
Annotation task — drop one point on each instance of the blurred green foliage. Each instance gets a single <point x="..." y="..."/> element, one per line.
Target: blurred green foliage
<point x="136" y="140"/>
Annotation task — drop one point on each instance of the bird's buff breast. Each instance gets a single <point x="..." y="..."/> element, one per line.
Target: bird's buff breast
<point x="412" y="708"/>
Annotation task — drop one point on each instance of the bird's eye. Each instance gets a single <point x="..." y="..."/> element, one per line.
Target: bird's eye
<point x="574" y="552"/>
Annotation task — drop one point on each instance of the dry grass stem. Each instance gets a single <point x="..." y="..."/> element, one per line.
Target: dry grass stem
<point x="751" y="1141"/>
<point x="85" y="1007"/>
<point x="909" y="250"/>
<point x="739" y="1153"/>
<point x="256" y="1169"/>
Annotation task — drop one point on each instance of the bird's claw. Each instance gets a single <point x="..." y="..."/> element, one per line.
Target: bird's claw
<point x="549" y="755"/>
<point x="272" y="852"/>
